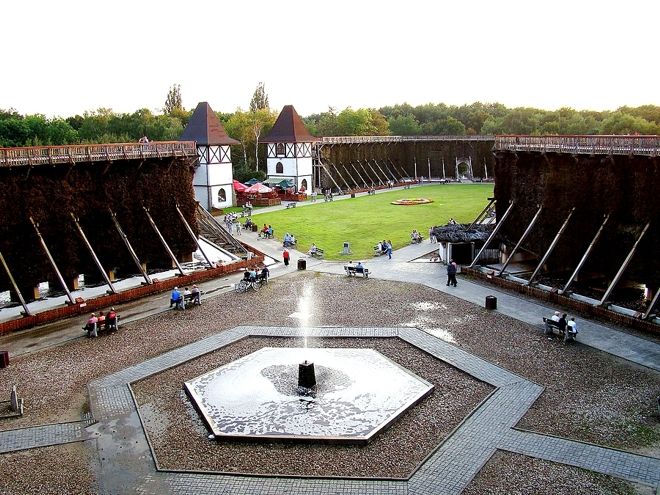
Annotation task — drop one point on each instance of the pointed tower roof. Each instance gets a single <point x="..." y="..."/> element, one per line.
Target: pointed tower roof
<point x="205" y="128"/>
<point x="289" y="128"/>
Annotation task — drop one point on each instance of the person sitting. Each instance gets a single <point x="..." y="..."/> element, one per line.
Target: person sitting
<point x="571" y="328"/>
<point x="451" y="222"/>
<point x="378" y="248"/>
<point x="562" y="323"/>
<point x="288" y="242"/>
<point x="265" y="273"/>
<point x="548" y="326"/>
<point x="187" y="294"/>
<point x="176" y="299"/>
<point x="196" y="295"/>
<point x="269" y="232"/>
<point x="312" y="250"/>
<point x="359" y="268"/>
<point x="111" y="320"/>
<point x="384" y="247"/>
<point x="91" y="326"/>
<point x="100" y="320"/>
<point x="248" y="224"/>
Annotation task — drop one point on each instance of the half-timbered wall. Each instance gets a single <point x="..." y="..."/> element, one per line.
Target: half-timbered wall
<point x="213" y="174"/>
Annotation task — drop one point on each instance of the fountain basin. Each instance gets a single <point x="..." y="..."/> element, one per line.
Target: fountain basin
<point x="358" y="393"/>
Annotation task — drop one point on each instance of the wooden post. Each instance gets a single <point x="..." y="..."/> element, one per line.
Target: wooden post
<point x="522" y="238"/>
<point x="14" y="285"/>
<point x="493" y="233"/>
<point x="52" y="261"/>
<point x="199" y="246"/>
<point x="653" y="302"/>
<point x="585" y="255"/>
<point x="551" y="248"/>
<point x="104" y="274"/>
<point x="492" y="200"/>
<point x="623" y="267"/>
<point x="162" y="240"/>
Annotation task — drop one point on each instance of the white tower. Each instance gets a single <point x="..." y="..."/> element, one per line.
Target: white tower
<point x="289" y="150"/>
<point x="214" y="177"/>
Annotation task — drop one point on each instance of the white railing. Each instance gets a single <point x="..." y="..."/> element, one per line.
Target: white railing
<point x="48" y="155"/>
<point x="591" y="145"/>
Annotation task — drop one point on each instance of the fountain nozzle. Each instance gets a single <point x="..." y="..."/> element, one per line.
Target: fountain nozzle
<point x="306" y="375"/>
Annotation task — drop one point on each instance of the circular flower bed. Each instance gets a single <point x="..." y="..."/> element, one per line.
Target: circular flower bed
<point x="414" y="201"/>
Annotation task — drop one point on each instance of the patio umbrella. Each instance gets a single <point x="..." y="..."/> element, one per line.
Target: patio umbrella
<point x="258" y="188"/>
<point x="251" y="182"/>
<point x="238" y="187"/>
<point x="286" y="183"/>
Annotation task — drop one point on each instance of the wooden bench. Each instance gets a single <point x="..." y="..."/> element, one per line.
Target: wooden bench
<point x="318" y="253"/>
<point x="292" y="204"/>
<point x="552" y="326"/>
<point x="352" y="271"/>
<point x="192" y="299"/>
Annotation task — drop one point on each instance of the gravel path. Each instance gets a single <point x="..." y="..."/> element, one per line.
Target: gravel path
<point x="589" y="395"/>
<point x="180" y="438"/>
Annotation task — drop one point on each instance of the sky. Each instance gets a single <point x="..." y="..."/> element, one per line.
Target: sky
<point x="66" y="57"/>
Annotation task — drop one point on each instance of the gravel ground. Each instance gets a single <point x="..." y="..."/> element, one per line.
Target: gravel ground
<point x="180" y="438"/>
<point x="19" y="475"/>
<point x="515" y="474"/>
<point x="589" y="395"/>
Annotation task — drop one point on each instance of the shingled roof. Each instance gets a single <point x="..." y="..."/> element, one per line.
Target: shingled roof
<point x="205" y="129"/>
<point x="289" y="128"/>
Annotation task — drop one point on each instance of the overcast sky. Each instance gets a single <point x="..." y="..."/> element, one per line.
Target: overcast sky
<point x="65" y="57"/>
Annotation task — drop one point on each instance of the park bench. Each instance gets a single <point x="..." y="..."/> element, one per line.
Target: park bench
<point x="352" y="271"/>
<point x="292" y="204"/>
<point x="379" y="252"/>
<point x="552" y="326"/>
<point x="192" y="299"/>
<point x="318" y="253"/>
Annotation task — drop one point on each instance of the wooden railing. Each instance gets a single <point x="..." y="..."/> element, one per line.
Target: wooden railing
<point x="591" y="145"/>
<point x="398" y="139"/>
<point x="49" y="155"/>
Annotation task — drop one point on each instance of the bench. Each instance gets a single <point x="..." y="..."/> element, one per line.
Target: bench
<point x="317" y="254"/>
<point x="552" y="326"/>
<point x="192" y="299"/>
<point x="292" y="204"/>
<point x="378" y="252"/>
<point x="352" y="271"/>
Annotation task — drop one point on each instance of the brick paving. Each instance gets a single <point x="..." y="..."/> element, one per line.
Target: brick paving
<point x="448" y="470"/>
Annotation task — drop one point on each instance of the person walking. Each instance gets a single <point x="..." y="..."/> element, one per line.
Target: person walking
<point x="286" y="256"/>
<point x="389" y="249"/>
<point x="451" y="273"/>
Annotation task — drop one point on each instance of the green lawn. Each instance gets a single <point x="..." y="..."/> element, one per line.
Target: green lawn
<point x="365" y="220"/>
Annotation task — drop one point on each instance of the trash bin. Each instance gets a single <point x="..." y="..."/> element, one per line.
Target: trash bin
<point x="302" y="264"/>
<point x="352" y="195"/>
<point x="254" y="227"/>
<point x="491" y="302"/>
<point x="4" y="359"/>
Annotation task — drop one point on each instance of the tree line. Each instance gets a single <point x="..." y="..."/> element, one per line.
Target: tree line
<point x="247" y="126"/>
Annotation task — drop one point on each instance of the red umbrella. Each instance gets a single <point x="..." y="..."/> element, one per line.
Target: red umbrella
<point x="238" y="187"/>
<point x="258" y="188"/>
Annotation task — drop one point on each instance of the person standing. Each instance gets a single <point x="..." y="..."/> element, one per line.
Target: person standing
<point x="286" y="256"/>
<point x="432" y="238"/>
<point x="451" y="273"/>
<point x="389" y="249"/>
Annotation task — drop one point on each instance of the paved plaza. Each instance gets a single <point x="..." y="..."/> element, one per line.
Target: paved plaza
<point x="124" y="461"/>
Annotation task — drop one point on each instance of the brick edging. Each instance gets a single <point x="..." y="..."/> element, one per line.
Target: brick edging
<point x="557" y="299"/>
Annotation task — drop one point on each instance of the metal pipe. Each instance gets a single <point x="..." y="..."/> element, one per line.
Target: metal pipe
<point x="522" y="238"/>
<point x="493" y="233"/>
<point x="653" y="302"/>
<point x="130" y="248"/>
<point x="551" y="248"/>
<point x="162" y="240"/>
<point x="91" y="251"/>
<point x="623" y="267"/>
<point x="192" y="234"/>
<point x="585" y="255"/>
<point x="476" y="220"/>
<point x="52" y="261"/>
<point x="15" y="286"/>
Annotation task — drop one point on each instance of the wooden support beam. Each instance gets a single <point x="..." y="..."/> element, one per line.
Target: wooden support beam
<point x="192" y="234"/>
<point x="104" y="274"/>
<point x="522" y="238"/>
<point x="163" y="242"/>
<point x="493" y="233"/>
<point x="652" y="305"/>
<point x="551" y="248"/>
<point x="624" y="265"/>
<point x="52" y="261"/>
<point x="140" y="266"/>
<point x="26" y="311"/>
<point x="585" y="255"/>
<point x="476" y="220"/>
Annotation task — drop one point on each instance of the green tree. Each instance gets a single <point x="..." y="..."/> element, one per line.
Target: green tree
<point x="173" y="101"/>
<point x="404" y="125"/>
<point x="259" y="99"/>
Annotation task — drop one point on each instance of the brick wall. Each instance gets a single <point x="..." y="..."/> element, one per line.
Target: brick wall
<point x="106" y="301"/>
<point x="554" y="298"/>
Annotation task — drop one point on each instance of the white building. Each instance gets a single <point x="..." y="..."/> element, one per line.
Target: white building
<point x="289" y="150"/>
<point x="214" y="177"/>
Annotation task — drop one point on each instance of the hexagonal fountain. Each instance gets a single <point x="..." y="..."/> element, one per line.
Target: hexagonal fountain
<point x="358" y="392"/>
